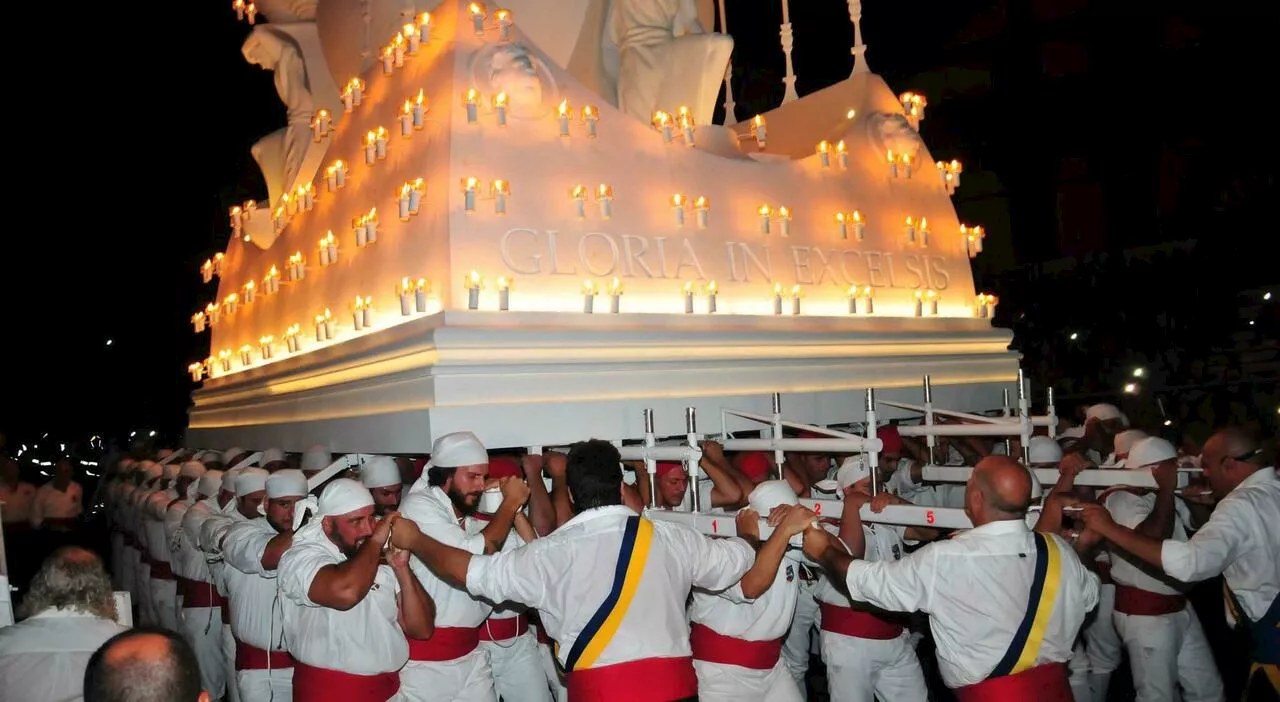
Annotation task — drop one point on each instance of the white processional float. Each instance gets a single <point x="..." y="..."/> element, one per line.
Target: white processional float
<point x="459" y="185"/>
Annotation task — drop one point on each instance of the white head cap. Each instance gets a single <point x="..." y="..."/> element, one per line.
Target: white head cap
<point x="210" y="483"/>
<point x="1044" y="450"/>
<point x="380" y="471"/>
<point x="209" y="457"/>
<point x="191" y="469"/>
<point x="1104" y="412"/>
<point x="770" y="494"/>
<point x="341" y="496"/>
<point x="1150" y="451"/>
<point x="316" y="458"/>
<point x="461" y="448"/>
<point x="1125" y="440"/>
<point x="251" y="480"/>
<point x="229" y="478"/>
<point x="853" y="469"/>
<point x="230" y="454"/>
<point x="271" y="455"/>
<point x="289" y="482"/>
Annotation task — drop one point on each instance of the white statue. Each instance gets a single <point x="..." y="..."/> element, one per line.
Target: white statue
<point x="662" y="58"/>
<point x="890" y="131"/>
<point x="278" y="52"/>
<point x="512" y="71"/>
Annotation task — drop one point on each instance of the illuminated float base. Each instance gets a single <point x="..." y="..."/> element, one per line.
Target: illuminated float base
<point x="525" y="378"/>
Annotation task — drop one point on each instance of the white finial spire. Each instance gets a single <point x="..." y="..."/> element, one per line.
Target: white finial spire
<point x="859" y="49"/>
<point x="730" y="106"/>
<point x="787" y="43"/>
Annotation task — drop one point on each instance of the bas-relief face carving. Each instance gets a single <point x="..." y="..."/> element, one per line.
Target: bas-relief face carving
<point x="514" y="70"/>
<point x="892" y="132"/>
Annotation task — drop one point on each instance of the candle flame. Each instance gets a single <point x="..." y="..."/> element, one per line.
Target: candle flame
<point x="563" y="108"/>
<point x="840" y="147"/>
<point x="476" y="8"/>
<point x="795" y="291"/>
<point x="857" y="216"/>
<point x="615" y="286"/>
<point x="588" y="287"/>
<point x="824" y="146"/>
<point x="503" y="15"/>
<point x="784" y="213"/>
<point x="500" y="100"/>
<point x="765" y="210"/>
<point x="504" y="283"/>
<point x="471" y="96"/>
<point x="712" y="288"/>
<point x="579" y="192"/>
<point x="678" y="200"/>
<point x="501" y="187"/>
<point x="604" y="192"/>
<point x="758" y="120"/>
<point x="702" y="203"/>
<point x="469" y="184"/>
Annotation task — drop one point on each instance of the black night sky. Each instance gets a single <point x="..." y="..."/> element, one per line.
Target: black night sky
<point x="1090" y="131"/>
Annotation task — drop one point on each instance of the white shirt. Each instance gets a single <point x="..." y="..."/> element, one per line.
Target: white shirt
<point x="188" y="560"/>
<point x="43" y="658"/>
<point x="567" y="574"/>
<point x="153" y="511"/>
<point x="364" y="640"/>
<point x="255" y="616"/>
<point x="975" y="586"/>
<point x="16" y="501"/>
<point x="212" y="532"/>
<point x="52" y="503"/>
<point x="884" y="543"/>
<point x="1130" y="510"/>
<point x="431" y="509"/>
<point x="1240" y="541"/>
<point x="731" y="613"/>
<point x="507" y="610"/>
<point x="173" y="534"/>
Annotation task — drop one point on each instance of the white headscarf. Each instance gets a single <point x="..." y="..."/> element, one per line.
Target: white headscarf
<point x="316" y="458"/>
<point x="380" y="471"/>
<point x="341" y="496"/>
<point x="251" y="480"/>
<point x="460" y="448"/>
<point x="210" y="483"/>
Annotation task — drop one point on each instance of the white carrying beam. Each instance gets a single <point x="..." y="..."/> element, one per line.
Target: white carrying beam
<point x="918" y="515"/>
<point x="683" y="454"/>
<point x="1006" y="428"/>
<point x="710" y="524"/>
<point x="1049" y="477"/>
<point x="853" y="445"/>
<point x="1036" y="421"/>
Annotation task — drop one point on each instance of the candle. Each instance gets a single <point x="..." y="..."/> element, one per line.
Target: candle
<point x="909" y="228"/>
<point x="405" y="192"/>
<point x="424" y="27"/>
<point x="250" y="289"/>
<point x="229" y="304"/>
<point x="565" y="113"/>
<point x="702" y="206"/>
<point x="473" y="283"/>
<point x="322" y="326"/>
<point x="238" y="6"/>
<point x="471" y="99"/>
<point x="766" y="213"/>
<point x="297" y="268"/>
<point x="686" y="124"/>
<point x="469" y="186"/>
<point x="919" y="295"/>
<point x="370" y="148"/>
<point x="246" y="355"/>
<point x="906" y="165"/>
<point x="784" y="221"/>
<point x="842" y="154"/>
<point x="924" y="231"/>
<point x="271" y="282"/>
<point x="499" y="190"/>
<point x="842" y="223"/>
<point x="224" y="357"/>
<point x="795" y="299"/>
<point x="388" y="60"/>
<point x="406" y="119"/>
<point x="859" y="226"/>
<point x="477" y="10"/>
<point x="504" y="24"/>
<point x="504" y="293"/>
<point x="406" y="297"/>
<point x="758" y="131"/>
<point x="251" y="13"/>
<point x="212" y="312"/>
<point x="236" y="220"/>
<point x="987" y="305"/>
<point x="328" y="249"/>
<point x="604" y="195"/>
<point x="688" y="297"/>
<point x="197" y="372"/>
<point x="380" y="143"/>
<point x="198" y="321"/>
<point x="615" y="296"/>
<point x="361" y="230"/>
<point x="420" y="291"/>
<point x="978" y="235"/>
<point x="662" y="122"/>
<point x="206" y="271"/>
<point x="588" y="296"/>
<point x="853" y="298"/>
<point x="932" y="297"/>
<point x="352" y="94"/>
<point x="591" y="116"/>
<point x="336" y="176"/>
<point x="678" y="205"/>
<point x="578" y="194"/>
<point x="398" y="45"/>
<point x="264" y="346"/>
<point x="410" y="33"/>
<point x="320" y="125"/>
<point x="217" y="263"/>
<point x="955" y="168"/>
<point x="712" y="290"/>
<point x="280" y="219"/>
<point x="371" y="224"/>
<point x="308" y="193"/>
<point x="357" y="313"/>
<point x="367" y="313"/>
<point x="893" y="163"/>
<point x="419" y="110"/>
<point x="824" y="153"/>
<point x="777" y="298"/>
<point x="291" y="339"/>
<point x="500" y="108"/>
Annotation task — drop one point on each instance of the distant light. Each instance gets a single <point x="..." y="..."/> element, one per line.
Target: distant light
<point x="854" y="113"/>
<point x="1168" y="422"/>
<point x="1251" y="322"/>
<point x="1266" y="296"/>
<point x="1131" y="388"/>
<point x="1139" y="372"/>
<point x="1074" y="336"/>
<point x="110" y="341"/>
<point x="153" y="433"/>
<point x="132" y="434"/>
<point x="62" y="447"/>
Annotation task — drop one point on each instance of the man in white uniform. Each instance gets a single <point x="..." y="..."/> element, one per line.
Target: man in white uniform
<point x="189" y="476"/>
<point x="1240" y="541"/>
<point x="442" y="503"/>
<point x="1157" y="624"/>
<point x="58" y="502"/>
<point x="152" y="481"/>
<point x="251" y="552"/>
<point x="250" y="487"/>
<point x="381" y="476"/>
<point x="201" y="620"/>
<point x="736" y="634"/>
<point x="585" y="577"/>
<point x="164" y="588"/>
<point x="1005" y="604"/>
<point x="346" y="613"/>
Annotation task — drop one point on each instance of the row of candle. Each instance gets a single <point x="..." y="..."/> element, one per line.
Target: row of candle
<point x="913" y="105"/>
<point x="666" y="124"/>
<point x="245" y="11"/>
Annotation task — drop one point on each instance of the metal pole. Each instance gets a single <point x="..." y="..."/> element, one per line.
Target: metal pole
<point x="778" y="455"/>
<point x="873" y="457"/>
<point x="1052" y="412"/>
<point x="691" y="430"/>
<point x="650" y="465"/>
<point x="1008" y="412"/>
<point x="1024" y="418"/>
<point x="930" y="441"/>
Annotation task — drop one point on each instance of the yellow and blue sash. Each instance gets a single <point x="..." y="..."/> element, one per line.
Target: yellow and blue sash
<point x="1024" y="650"/>
<point x="637" y="537"/>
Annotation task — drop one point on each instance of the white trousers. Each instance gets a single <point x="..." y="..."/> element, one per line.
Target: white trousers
<point x="1167" y="651"/>
<point x="229" y="659"/>
<point x="798" y="645"/>
<point x="465" y="679"/>
<point x="517" y="671"/>
<point x="859" y="670"/>
<point x="1101" y="643"/>
<point x="718" y="682"/>
<point x="202" y="628"/>
<point x="548" y="660"/>
<point x="1078" y="674"/>
<point x="164" y="597"/>
<point x="265" y="685"/>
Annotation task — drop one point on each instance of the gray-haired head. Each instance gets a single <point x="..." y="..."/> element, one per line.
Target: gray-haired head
<point x="71" y="578"/>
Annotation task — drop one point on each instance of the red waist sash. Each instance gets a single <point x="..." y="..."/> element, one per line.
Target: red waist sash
<point x="446" y="644"/>
<point x="1104" y="572"/>
<point x="1144" y="603"/>
<point x="253" y="658"/>
<point x="713" y="647"/>
<point x="858" y="624"/>
<point x="645" y="680"/>
<point x="326" y="685"/>
<point x="160" y="570"/>
<point x="199" y="594"/>
<point x="1043" y="683"/>
<point x="542" y="635"/>
<point x="503" y="629"/>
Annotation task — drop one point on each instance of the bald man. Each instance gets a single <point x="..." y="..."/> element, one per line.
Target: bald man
<point x="144" y="664"/>
<point x="1005" y="604"/>
<point x="1239" y="541"/>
